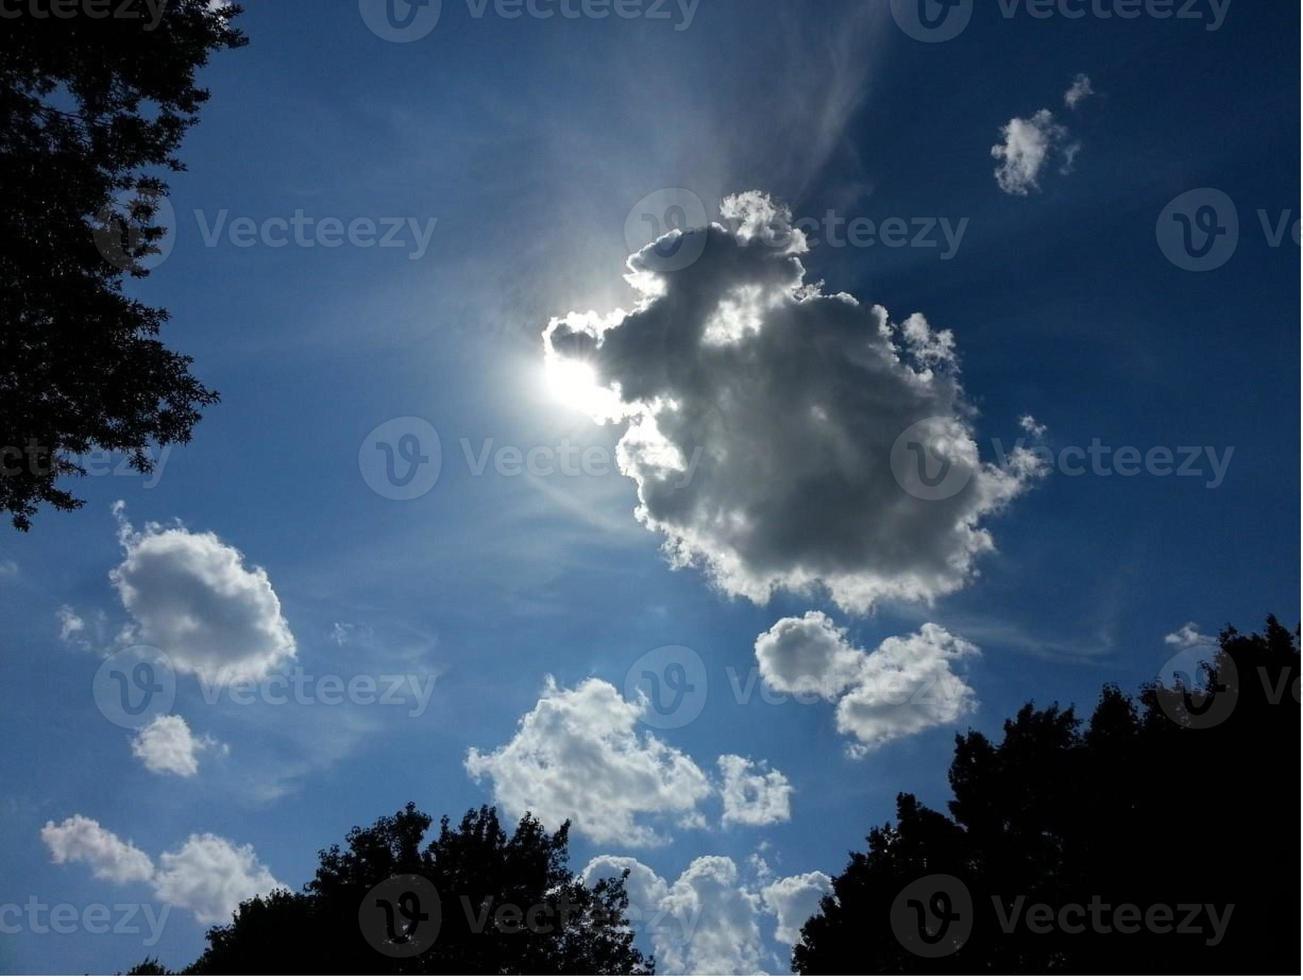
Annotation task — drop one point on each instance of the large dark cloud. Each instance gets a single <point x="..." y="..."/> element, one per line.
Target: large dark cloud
<point x="763" y="418"/>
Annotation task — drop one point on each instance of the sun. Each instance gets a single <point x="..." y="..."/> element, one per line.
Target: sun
<point x="574" y="383"/>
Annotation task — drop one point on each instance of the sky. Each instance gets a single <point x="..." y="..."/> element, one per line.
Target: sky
<point x="965" y="377"/>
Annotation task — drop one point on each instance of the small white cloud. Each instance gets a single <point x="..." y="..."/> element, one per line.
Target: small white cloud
<point x="793" y="900"/>
<point x="71" y="625"/>
<point x="110" y="858"/>
<point x="810" y="655"/>
<point x="577" y="755"/>
<point x="8" y="568"/>
<point x="166" y="745"/>
<point x="1033" y="428"/>
<point x="1028" y="145"/>
<point x="1078" y="92"/>
<point x="752" y="796"/>
<point x="904" y="687"/>
<point x="192" y="596"/>
<point x="210" y="876"/>
<point x="1188" y="637"/>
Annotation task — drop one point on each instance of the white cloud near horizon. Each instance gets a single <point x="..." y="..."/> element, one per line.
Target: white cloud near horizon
<point x="905" y="686"/>
<point x="708" y="920"/>
<point x="208" y="876"/>
<point x="579" y="755"/>
<point x="191" y="595"/>
<point x="760" y="415"/>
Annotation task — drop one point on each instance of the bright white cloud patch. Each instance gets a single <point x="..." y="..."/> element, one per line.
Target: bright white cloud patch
<point x="208" y="876"/>
<point x="166" y="745"/>
<point x="1188" y="637"/>
<point x="192" y="596"/>
<point x="71" y="625"/>
<point x="708" y="921"/>
<point x="751" y="795"/>
<point x="807" y="656"/>
<point x="904" y="687"/>
<point x="793" y="900"/>
<point x="760" y="416"/>
<point x="577" y="755"/>
<point x="110" y="858"/>
<point x="1027" y="147"/>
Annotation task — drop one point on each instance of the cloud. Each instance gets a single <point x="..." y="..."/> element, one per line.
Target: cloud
<point x="110" y="858"/>
<point x="191" y="595"/>
<point x="708" y="920"/>
<point x="1028" y="146"/>
<point x="1078" y="92"/>
<point x="166" y="745"/>
<point x="807" y="656"/>
<point x="71" y="625"/>
<point x="760" y="416"/>
<point x="577" y="755"/>
<point x="209" y="876"/>
<point x="904" y="687"/>
<point x="1188" y="637"/>
<point x="793" y="900"/>
<point x="753" y="797"/>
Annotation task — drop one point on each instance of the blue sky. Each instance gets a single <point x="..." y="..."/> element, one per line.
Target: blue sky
<point x="529" y="142"/>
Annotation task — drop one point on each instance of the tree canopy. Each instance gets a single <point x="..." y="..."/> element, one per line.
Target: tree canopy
<point x="92" y="112"/>
<point x="472" y="900"/>
<point x="1185" y="799"/>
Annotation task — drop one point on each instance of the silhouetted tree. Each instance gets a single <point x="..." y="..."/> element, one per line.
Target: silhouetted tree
<point x="1188" y="797"/>
<point x="495" y="904"/>
<point x="92" y="108"/>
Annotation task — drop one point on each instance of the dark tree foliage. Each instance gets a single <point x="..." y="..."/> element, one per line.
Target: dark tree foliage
<point x="1153" y="803"/>
<point x="482" y="876"/>
<point x="92" y="110"/>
